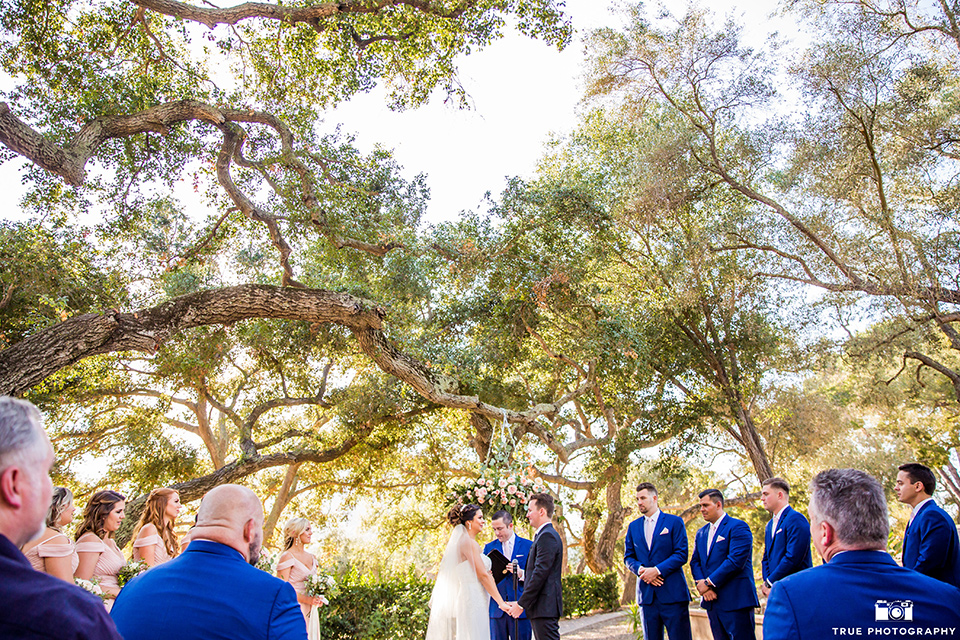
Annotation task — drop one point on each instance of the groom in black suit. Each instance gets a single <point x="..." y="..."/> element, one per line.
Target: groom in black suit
<point x="542" y="599"/>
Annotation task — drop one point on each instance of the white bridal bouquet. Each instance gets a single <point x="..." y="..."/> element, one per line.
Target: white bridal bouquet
<point x="93" y="586"/>
<point x="321" y="585"/>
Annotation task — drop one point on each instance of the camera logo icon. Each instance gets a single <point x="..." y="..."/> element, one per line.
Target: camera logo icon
<point x="898" y="610"/>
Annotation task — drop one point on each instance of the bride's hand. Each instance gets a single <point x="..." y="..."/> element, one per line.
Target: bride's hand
<point x="505" y="607"/>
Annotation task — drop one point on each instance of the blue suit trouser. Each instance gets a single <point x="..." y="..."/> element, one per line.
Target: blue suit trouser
<point x="672" y="616"/>
<point x="732" y="625"/>
<point x="502" y="628"/>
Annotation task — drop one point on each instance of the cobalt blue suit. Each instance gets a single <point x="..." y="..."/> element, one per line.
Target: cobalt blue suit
<point x="860" y="590"/>
<point x="208" y="592"/>
<point x="665" y="606"/>
<point x="789" y="550"/>
<point x="931" y="545"/>
<point x="501" y="625"/>
<point x="729" y="567"/>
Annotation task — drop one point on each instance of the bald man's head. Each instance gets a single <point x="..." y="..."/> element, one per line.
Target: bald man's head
<point x="232" y="515"/>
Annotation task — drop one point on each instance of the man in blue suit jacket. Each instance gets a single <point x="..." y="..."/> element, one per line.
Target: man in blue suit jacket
<point x="211" y="591"/>
<point x="722" y="567"/>
<point x="860" y="591"/>
<point x="516" y="549"/>
<point x="786" y="540"/>
<point x="656" y="550"/>
<point x="930" y="543"/>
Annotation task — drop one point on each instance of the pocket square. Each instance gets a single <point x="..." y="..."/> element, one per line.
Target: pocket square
<point x="664" y="532"/>
<point x="720" y="538"/>
<point x="779" y="530"/>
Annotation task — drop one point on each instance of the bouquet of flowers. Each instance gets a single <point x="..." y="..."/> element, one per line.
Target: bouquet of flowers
<point x="92" y="585"/>
<point x="131" y="570"/>
<point x="267" y="562"/>
<point x="497" y="490"/>
<point x="321" y="585"/>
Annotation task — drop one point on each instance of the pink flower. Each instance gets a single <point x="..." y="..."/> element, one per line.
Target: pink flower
<point x="481" y="482"/>
<point x="513" y="503"/>
<point x="511" y="489"/>
<point x="481" y="493"/>
<point x="523" y="500"/>
<point x="502" y="483"/>
<point x="481" y="501"/>
<point x="503" y="500"/>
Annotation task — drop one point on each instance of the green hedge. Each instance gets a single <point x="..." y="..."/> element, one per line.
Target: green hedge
<point x="586" y="592"/>
<point x="373" y="608"/>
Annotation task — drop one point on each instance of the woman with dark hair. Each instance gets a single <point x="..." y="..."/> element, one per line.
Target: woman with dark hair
<point x="154" y="541"/>
<point x="53" y="551"/>
<point x="459" y="606"/>
<point x="100" y="557"/>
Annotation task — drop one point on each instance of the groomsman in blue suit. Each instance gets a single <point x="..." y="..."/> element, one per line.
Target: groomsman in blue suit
<point x="859" y="591"/>
<point x="656" y="550"/>
<point x="514" y="548"/>
<point x="786" y="540"/>
<point x="722" y="567"/>
<point x="930" y="543"/>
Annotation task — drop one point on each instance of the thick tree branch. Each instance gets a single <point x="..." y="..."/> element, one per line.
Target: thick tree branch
<point x="315" y="15"/>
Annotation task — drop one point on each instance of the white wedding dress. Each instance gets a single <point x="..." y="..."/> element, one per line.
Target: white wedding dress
<point x="459" y="604"/>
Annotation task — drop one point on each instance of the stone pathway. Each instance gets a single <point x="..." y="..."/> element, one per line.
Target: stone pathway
<point x="603" y="626"/>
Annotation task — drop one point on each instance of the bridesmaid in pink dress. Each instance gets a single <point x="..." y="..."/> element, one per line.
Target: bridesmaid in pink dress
<point x="53" y="551"/>
<point x="295" y="564"/>
<point x="100" y="557"/>
<point x="154" y="541"/>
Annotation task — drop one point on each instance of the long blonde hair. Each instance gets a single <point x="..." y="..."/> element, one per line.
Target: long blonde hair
<point x="153" y="513"/>
<point x="62" y="498"/>
<point x="292" y="530"/>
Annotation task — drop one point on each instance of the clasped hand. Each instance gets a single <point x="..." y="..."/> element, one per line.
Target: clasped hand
<point x="652" y="577"/>
<point x="512" y="609"/>
<point x="705" y="590"/>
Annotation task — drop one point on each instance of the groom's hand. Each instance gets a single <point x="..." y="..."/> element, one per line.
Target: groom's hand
<point x="515" y="610"/>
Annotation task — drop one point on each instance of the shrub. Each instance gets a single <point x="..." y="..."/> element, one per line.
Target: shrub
<point x="586" y="592"/>
<point x="376" y="607"/>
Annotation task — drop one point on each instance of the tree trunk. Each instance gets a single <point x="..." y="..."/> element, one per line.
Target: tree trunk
<point x="629" y="595"/>
<point x="950" y="478"/>
<point x="280" y="502"/>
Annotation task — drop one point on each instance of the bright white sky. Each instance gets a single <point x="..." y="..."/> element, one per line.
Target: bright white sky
<point x="522" y="91"/>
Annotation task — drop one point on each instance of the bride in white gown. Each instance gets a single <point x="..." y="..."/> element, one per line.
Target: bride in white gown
<point x="461" y="595"/>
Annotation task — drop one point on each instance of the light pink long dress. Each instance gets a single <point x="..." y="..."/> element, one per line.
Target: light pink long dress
<point x="109" y="563"/>
<point x="58" y="546"/>
<point x="160" y="554"/>
<point x="297" y="579"/>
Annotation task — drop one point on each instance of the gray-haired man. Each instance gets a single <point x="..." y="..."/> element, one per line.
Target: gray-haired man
<point x="860" y="589"/>
<point x="35" y="605"/>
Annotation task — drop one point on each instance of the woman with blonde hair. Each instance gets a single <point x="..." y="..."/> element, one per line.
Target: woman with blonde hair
<point x="100" y="557"/>
<point x="53" y="552"/>
<point x="154" y="541"/>
<point x="295" y="564"/>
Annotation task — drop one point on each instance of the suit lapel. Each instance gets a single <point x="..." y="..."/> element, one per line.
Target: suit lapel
<point x="720" y="529"/>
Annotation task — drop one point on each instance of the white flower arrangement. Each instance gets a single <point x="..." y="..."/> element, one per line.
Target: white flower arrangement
<point x="91" y="586"/>
<point x="321" y="585"/>
<point x="495" y="491"/>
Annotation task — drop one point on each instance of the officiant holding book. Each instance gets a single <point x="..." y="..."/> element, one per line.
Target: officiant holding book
<point x="516" y="549"/>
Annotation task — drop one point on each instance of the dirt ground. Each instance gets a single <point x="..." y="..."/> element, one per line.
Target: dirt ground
<point x="618" y="629"/>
